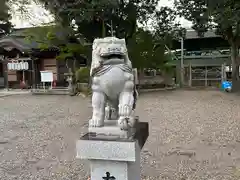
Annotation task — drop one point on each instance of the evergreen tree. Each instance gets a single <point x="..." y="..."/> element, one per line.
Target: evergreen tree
<point x="5" y="17"/>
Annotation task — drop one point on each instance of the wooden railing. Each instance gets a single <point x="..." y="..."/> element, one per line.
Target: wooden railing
<point x="206" y="57"/>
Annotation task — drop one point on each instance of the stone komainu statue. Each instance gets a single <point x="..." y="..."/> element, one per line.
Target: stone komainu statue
<point x="113" y="83"/>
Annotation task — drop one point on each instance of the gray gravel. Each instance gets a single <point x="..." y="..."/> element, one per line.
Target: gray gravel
<point x="193" y="135"/>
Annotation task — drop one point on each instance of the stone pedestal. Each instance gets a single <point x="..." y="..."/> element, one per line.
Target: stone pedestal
<point x="112" y="156"/>
<point x="111" y="128"/>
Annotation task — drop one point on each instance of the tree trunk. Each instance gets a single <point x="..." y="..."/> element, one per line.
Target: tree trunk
<point x="235" y="68"/>
<point x="103" y="29"/>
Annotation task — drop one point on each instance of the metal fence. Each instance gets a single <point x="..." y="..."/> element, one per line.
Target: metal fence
<point x="204" y="76"/>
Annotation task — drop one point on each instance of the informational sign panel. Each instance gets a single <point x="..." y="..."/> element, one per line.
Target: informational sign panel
<point x="46" y="76"/>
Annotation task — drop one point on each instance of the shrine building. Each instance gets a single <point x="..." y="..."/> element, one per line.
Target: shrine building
<point x="23" y="61"/>
<point x="205" y="59"/>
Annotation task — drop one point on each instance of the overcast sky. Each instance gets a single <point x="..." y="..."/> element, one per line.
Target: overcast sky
<point x="40" y="15"/>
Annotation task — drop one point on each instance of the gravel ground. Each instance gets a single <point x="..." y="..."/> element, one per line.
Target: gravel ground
<point x="194" y="135"/>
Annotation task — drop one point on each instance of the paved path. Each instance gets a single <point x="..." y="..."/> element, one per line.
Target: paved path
<point x="4" y="92"/>
<point x="194" y="135"/>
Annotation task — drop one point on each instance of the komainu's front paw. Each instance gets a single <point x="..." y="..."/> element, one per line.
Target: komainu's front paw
<point x="132" y="121"/>
<point x="125" y="110"/>
<point x="96" y="123"/>
<point x="123" y="123"/>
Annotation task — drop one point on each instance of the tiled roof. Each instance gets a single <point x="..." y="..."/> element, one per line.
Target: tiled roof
<point x="17" y="39"/>
<point x="192" y="34"/>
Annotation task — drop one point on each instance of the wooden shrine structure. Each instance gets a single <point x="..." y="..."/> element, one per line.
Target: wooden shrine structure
<point x="14" y="48"/>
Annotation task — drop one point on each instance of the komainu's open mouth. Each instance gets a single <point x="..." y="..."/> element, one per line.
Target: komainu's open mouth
<point x="113" y="56"/>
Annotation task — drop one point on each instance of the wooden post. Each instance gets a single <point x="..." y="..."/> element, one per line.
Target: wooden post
<point x="190" y="74"/>
<point x="23" y="76"/>
<point x="182" y="62"/>
<point x="223" y="73"/>
<point x="33" y="74"/>
<point x="5" y="66"/>
<point x="206" y="76"/>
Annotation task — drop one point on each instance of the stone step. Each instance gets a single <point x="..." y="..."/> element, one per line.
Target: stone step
<point x="61" y="88"/>
<point x="51" y="92"/>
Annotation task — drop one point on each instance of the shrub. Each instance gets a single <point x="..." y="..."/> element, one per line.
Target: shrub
<point x="82" y="75"/>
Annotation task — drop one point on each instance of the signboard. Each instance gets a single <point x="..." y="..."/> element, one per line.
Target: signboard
<point x="18" y="66"/>
<point x="229" y="69"/>
<point x="46" y="76"/>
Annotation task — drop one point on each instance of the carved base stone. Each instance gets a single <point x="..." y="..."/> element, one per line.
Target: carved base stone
<point x="111" y="128"/>
<point x="111" y="156"/>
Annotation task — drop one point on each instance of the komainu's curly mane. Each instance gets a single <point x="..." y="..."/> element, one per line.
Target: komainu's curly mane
<point x="109" y="47"/>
